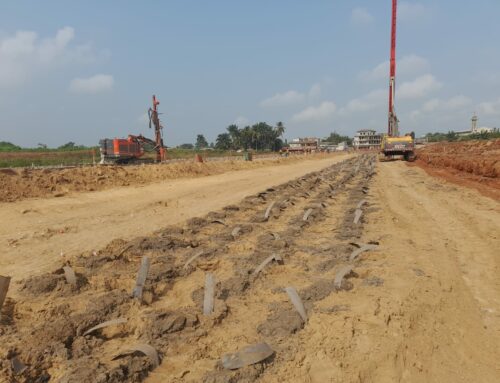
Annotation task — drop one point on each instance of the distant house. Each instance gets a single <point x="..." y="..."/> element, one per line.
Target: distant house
<point x="306" y="144"/>
<point x="341" y="147"/>
<point x="327" y="146"/>
<point x="366" y="139"/>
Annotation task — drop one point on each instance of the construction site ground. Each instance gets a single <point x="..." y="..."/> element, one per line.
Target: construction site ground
<point x="421" y="304"/>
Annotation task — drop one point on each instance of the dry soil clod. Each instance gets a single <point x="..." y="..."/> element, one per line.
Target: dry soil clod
<point x="248" y="355"/>
<point x="141" y="277"/>
<point x="297" y="302"/>
<point x="208" y="299"/>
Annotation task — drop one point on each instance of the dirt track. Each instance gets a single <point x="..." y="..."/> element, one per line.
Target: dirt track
<point x="423" y="307"/>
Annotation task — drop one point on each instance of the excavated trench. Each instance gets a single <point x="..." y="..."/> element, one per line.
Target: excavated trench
<point x="302" y="233"/>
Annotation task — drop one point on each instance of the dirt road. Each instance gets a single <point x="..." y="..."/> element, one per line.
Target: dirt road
<point x="436" y="315"/>
<point x="421" y="304"/>
<point x="37" y="234"/>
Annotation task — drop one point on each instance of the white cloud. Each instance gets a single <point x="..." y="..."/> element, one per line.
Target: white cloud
<point x="369" y="101"/>
<point x="457" y="102"/>
<point x="418" y="88"/>
<point x="361" y="16"/>
<point x="411" y="11"/>
<point x="322" y="112"/>
<point x="443" y="107"/>
<point x="431" y="105"/>
<point x="292" y="97"/>
<point x="315" y="91"/>
<point x="91" y="85"/>
<point x="24" y="54"/>
<point x="490" y="107"/>
<point x="241" y="121"/>
<point x="406" y="66"/>
<point x="283" y="99"/>
<point x="49" y="49"/>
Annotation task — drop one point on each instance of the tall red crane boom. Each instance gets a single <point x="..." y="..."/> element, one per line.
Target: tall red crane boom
<point x="393" y="120"/>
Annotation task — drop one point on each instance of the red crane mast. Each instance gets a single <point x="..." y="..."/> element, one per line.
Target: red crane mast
<point x="393" y="120"/>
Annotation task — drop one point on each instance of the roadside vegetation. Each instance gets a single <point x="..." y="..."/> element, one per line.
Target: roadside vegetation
<point x="452" y="136"/>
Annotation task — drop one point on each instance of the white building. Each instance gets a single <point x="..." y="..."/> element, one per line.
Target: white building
<point x="475" y="129"/>
<point x="307" y="144"/>
<point x="366" y="139"/>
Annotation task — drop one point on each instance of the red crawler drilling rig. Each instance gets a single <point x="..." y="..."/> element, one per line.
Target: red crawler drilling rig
<point x="132" y="148"/>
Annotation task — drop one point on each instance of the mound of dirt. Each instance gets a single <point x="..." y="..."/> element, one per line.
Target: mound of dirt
<point x="18" y="184"/>
<point x="472" y="163"/>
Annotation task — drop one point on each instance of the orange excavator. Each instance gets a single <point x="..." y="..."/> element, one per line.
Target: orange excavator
<point x="132" y="148"/>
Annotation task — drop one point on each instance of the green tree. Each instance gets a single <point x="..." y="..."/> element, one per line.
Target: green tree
<point x="451" y="136"/>
<point x="186" y="146"/>
<point x="8" y="146"/>
<point x="68" y="146"/>
<point x="246" y="138"/>
<point x="235" y="136"/>
<point x="223" y="141"/>
<point x="201" y="142"/>
<point x="336" y="139"/>
<point x="280" y="129"/>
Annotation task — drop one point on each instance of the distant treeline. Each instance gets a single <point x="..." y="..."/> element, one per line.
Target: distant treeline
<point x="452" y="136"/>
<point x="260" y="136"/>
<point x="10" y="147"/>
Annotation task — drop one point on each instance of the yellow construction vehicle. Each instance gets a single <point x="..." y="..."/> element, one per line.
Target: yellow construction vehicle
<point x="393" y="147"/>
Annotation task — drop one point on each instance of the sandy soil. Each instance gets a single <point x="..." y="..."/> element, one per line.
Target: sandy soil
<point x="423" y="306"/>
<point x="36" y="234"/>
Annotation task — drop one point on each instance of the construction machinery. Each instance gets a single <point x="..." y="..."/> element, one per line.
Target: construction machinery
<point x="132" y="148"/>
<point x="394" y="145"/>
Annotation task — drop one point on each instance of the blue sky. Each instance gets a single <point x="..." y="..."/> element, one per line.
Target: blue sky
<point x="84" y="70"/>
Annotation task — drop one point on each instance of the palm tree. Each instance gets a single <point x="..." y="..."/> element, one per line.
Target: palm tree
<point x="280" y="129"/>
<point x="235" y="134"/>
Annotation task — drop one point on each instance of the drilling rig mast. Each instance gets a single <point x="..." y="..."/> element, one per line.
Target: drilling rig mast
<point x="393" y="130"/>
<point x="153" y="118"/>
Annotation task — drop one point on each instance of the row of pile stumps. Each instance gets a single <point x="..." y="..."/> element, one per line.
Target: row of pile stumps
<point x="246" y="356"/>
